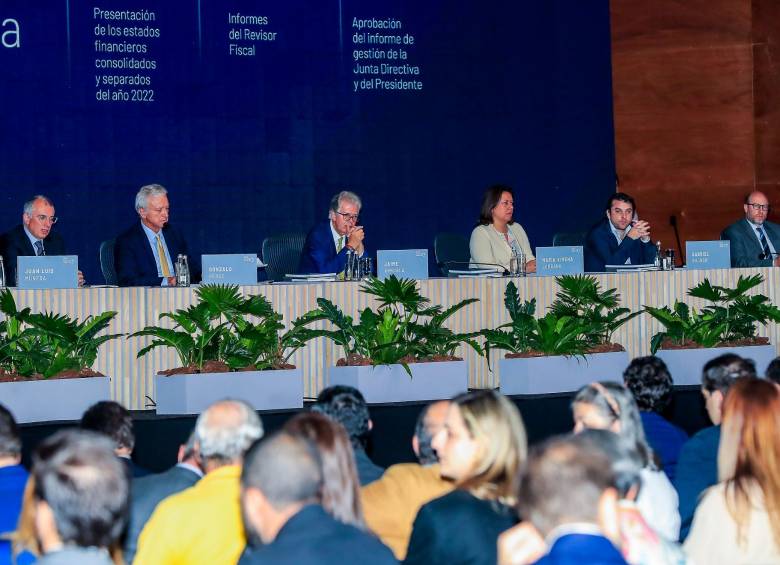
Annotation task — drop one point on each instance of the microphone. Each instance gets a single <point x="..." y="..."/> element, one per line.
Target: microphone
<point x="469" y="265"/>
<point x="673" y="223"/>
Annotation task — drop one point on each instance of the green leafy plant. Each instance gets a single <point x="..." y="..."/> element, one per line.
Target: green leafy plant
<point x="404" y="328"/>
<point x="226" y="328"/>
<point x="731" y="316"/>
<point x="48" y="344"/>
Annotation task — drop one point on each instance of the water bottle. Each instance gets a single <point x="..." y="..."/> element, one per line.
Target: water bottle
<point x="2" y="272"/>
<point x="182" y="271"/>
<point x="659" y="256"/>
<point x="350" y="265"/>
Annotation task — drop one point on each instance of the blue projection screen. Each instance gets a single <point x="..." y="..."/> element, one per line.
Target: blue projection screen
<point x="254" y="113"/>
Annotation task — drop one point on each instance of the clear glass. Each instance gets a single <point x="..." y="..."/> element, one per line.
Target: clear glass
<point x="349" y="267"/>
<point x="366" y="267"/>
<point x="517" y="264"/>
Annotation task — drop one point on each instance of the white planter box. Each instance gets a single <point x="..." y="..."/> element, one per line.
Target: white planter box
<point x="263" y="390"/>
<point x="53" y="399"/>
<point x="558" y="373"/>
<point x="391" y="383"/>
<point x="685" y="365"/>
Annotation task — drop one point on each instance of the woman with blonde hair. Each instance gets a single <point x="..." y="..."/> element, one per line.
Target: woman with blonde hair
<point x="738" y="520"/>
<point x="481" y="447"/>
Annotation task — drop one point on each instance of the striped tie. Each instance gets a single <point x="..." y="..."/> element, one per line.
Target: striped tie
<point x="39" y="251"/>
<point x="764" y="243"/>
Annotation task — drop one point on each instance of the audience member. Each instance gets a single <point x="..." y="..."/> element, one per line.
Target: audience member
<point x="280" y="488"/>
<point x="147" y="492"/>
<point x="326" y="246"/>
<point x="608" y="405"/>
<point x="568" y="492"/>
<point x="13" y="477"/>
<point x="391" y="503"/>
<point x="773" y="371"/>
<point x="697" y="466"/>
<point x="340" y="496"/>
<point x="202" y="525"/>
<point x="346" y="405"/>
<point x="145" y="254"/>
<point x="754" y="239"/>
<point x="497" y="236"/>
<point x="738" y="520"/>
<point x="649" y="381"/>
<point x="481" y="447"/>
<point x="111" y="419"/>
<point x="81" y="492"/>
<point x="35" y="236"/>
<point x="620" y="238"/>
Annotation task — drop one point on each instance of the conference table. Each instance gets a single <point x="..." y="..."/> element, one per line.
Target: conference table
<point x="132" y="379"/>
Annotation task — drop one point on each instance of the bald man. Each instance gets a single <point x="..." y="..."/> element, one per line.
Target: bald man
<point x="755" y="242"/>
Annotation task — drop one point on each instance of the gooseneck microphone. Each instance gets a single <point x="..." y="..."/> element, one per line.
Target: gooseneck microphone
<point x="469" y="265"/>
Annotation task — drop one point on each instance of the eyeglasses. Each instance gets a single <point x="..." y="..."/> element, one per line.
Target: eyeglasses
<point x="348" y="217"/>
<point x="42" y="218"/>
<point x="759" y="207"/>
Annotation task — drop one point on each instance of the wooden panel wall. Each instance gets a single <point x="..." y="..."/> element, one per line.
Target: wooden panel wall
<point x="697" y="109"/>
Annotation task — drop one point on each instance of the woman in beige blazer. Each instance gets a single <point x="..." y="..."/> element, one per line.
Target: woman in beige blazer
<point x="495" y="236"/>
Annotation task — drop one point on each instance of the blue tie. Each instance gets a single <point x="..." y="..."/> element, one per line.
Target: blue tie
<point x="764" y="243"/>
<point x="39" y="248"/>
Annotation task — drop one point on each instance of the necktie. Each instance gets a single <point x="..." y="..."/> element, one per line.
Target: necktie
<point x="166" y="271"/>
<point x="764" y="243"/>
<point x="39" y="248"/>
<point x="340" y="244"/>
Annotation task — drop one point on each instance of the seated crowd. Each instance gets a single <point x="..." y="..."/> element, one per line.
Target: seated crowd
<point x="626" y="486"/>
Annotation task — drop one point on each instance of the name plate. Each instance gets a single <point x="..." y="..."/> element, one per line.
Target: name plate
<point x="403" y="263"/>
<point x="230" y="268"/>
<point x="562" y="260"/>
<point x="708" y="254"/>
<point x="47" y="271"/>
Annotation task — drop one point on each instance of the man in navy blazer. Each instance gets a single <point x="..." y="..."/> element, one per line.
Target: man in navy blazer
<point x="754" y="240"/>
<point x="34" y="236"/>
<point x="280" y="501"/>
<point x="326" y="246"/>
<point x="145" y="254"/>
<point x="620" y="238"/>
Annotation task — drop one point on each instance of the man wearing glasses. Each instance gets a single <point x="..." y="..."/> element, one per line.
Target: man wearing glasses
<point x="755" y="242"/>
<point x="34" y="236"/>
<point x="327" y="244"/>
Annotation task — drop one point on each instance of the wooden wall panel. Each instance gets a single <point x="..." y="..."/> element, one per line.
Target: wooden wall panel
<point x="766" y="63"/>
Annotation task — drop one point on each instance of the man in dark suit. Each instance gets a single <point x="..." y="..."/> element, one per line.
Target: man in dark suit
<point x="754" y="240"/>
<point x="280" y="501"/>
<point x="147" y="492"/>
<point x="326" y="246"/>
<point x="146" y="253"/>
<point x="111" y="419"/>
<point x="619" y="239"/>
<point x="34" y="236"/>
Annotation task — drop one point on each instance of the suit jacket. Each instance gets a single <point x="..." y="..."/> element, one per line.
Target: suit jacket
<point x="13" y="479"/>
<point x="313" y="537"/>
<point x="146" y="493"/>
<point x="745" y="247"/>
<point x="582" y="549"/>
<point x="602" y="248"/>
<point x="15" y="243"/>
<point x="319" y="252"/>
<point x="367" y="470"/>
<point x="134" y="258"/>
<point x="458" y="528"/>
<point x="697" y="470"/>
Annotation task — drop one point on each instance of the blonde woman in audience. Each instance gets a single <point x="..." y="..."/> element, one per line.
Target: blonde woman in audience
<point x="738" y="520"/>
<point x="481" y="447"/>
<point x="610" y="406"/>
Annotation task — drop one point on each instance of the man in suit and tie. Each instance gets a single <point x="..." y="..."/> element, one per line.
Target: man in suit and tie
<point x="326" y="246"/>
<point x="146" y="253"/>
<point x="755" y="241"/>
<point x="33" y="237"/>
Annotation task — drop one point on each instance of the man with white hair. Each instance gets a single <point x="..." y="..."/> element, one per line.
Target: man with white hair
<point x="145" y="254"/>
<point x="202" y="525"/>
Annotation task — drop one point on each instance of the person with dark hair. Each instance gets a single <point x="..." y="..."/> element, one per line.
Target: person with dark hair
<point x="391" y="503"/>
<point x="80" y="498"/>
<point x="773" y="371"/>
<point x="281" y="484"/>
<point x="13" y="477"/>
<point x="697" y="466"/>
<point x="620" y="238"/>
<point x="497" y="236"/>
<point x="568" y="492"/>
<point x="346" y="405"/>
<point x="147" y="492"/>
<point x="649" y="381"/>
<point x="754" y="240"/>
<point x="113" y="420"/>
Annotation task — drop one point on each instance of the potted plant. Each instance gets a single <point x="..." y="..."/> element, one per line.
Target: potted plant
<point x="228" y="346"/>
<point x="566" y="348"/>
<point x="46" y="360"/>
<point x="728" y="323"/>
<point x="401" y="351"/>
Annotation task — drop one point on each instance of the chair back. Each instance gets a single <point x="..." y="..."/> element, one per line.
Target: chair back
<point x="282" y="253"/>
<point x="563" y="239"/>
<point x="107" y="261"/>
<point x="451" y="247"/>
